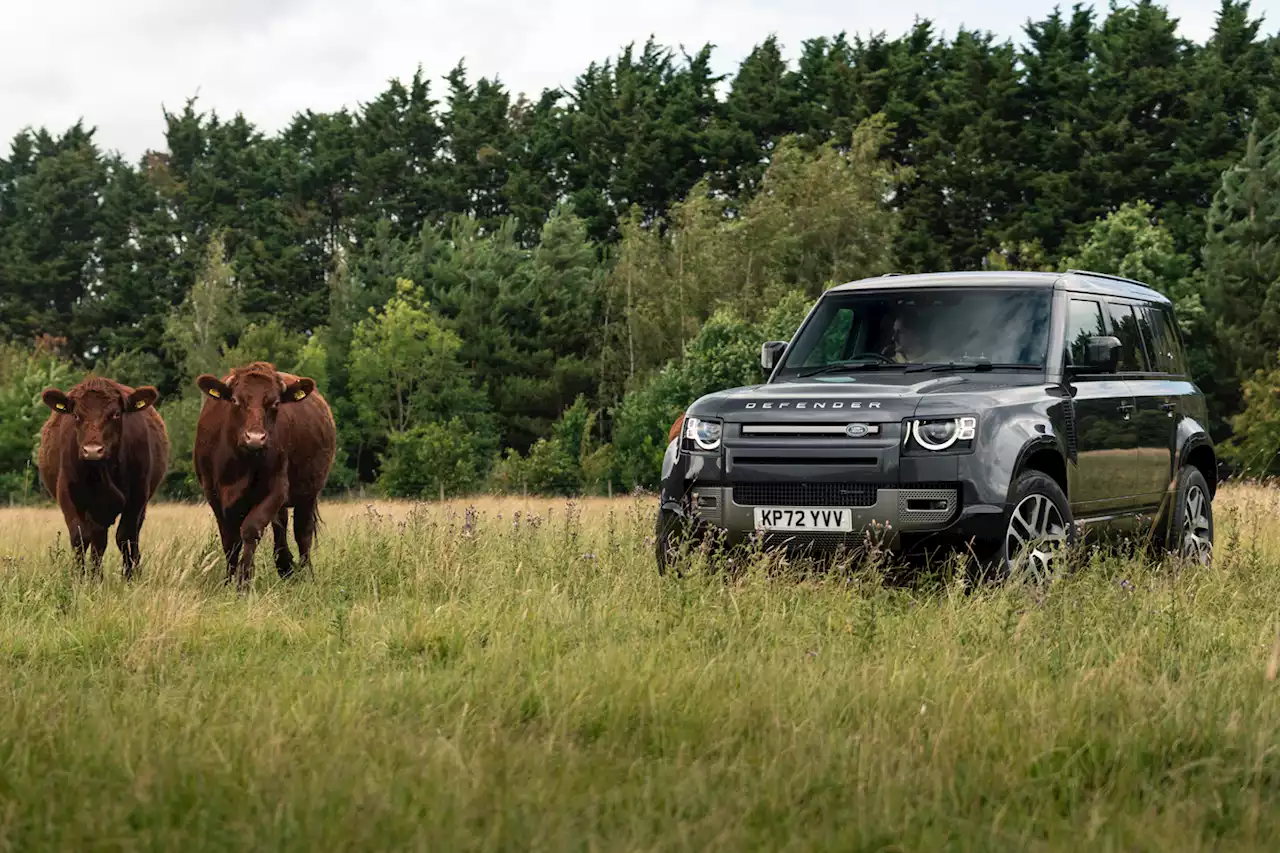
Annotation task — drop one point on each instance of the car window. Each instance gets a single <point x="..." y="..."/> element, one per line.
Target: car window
<point x="1084" y="321"/>
<point x="835" y="339"/>
<point x="1124" y="322"/>
<point x="924" y="326"/>
<point x="1162" y="338"/>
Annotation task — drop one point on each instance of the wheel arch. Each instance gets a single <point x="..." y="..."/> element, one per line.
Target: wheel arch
<point x="1200" y="455"/>
<point x="1045" y="456"/>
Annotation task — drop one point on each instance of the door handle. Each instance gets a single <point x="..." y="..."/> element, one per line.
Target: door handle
<point x="1169" y="407"/>
<point x="1126" y="408"/>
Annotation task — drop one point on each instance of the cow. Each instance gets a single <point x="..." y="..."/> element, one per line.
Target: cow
<point x="104" y="452"/>
<point x="265" y="441"/>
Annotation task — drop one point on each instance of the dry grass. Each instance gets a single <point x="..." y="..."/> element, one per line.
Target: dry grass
<point x="459" y="681"/>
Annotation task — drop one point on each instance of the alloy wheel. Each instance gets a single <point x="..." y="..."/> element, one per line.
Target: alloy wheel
<point x="1197" y="543"/>
<point x="1036" y="533"/>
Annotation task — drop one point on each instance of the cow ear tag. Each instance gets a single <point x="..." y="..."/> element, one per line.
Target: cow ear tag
<point x="141" y="404"/>
<point x="61" y="407"/>
<point x="299" y="394"/>
<point x="213" y="392"/>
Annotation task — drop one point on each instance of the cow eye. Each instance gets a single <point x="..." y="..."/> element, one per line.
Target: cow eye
<point x="115" y="416"/>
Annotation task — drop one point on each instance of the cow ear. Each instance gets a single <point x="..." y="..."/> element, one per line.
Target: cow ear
<point x="56" y="400"/>
<point x="295" y="391"/>
<point x="213" y="387"/>
<point x="142" y="398"/>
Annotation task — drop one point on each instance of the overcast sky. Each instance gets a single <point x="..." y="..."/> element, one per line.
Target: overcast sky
<point x="116" y="63"/>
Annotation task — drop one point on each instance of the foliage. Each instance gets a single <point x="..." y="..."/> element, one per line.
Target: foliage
<point x="23" y="375"/>
<point x="576" y="241"/>
<point x="425" y="459"/>
<point x="725" y="354"/>
<point x="1242" y="263"/>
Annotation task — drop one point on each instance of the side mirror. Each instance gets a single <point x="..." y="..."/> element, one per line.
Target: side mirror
<point x="1101" y="355"/>
<point x="770" y="352"/>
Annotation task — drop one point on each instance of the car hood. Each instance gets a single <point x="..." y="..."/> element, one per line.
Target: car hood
<point x="881" y="398"/>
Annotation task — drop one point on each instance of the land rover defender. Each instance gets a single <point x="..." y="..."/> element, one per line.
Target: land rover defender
<point x="1003" y="412"/>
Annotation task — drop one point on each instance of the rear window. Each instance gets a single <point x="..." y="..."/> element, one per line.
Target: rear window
<point x="1126" y="327"/>
<point x="1165" y="346"/>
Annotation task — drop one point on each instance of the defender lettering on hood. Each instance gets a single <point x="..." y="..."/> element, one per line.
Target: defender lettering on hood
<point x="814" y="404"/>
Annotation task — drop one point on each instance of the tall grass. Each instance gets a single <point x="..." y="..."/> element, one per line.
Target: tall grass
<point x="473" y="679"/>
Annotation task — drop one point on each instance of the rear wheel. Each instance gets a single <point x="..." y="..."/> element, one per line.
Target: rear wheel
<point x="1190" y="533"/>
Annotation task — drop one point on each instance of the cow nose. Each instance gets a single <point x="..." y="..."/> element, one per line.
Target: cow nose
<point x="255" y="439"/>
<point x="92" y="452"/>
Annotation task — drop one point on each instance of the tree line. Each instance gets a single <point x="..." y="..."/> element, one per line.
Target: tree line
<point x="502" y="293"/>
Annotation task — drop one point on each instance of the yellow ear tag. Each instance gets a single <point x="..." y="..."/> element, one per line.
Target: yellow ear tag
<point x="61" y="407"/>
<point x="141" y="404"/>
<point x="213" y="392"/>
<point x="299" y="394"/>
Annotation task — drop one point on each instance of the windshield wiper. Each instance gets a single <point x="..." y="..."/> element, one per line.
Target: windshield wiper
<point x="849" y="367"/>
<point x="977" y="365"/>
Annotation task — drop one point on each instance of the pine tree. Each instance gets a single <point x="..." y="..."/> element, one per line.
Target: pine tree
<point x="1242" y="264"/>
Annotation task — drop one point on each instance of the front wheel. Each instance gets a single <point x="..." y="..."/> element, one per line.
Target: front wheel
<point x="1190" y="533"/>
<point x="667" y="534"/>
<point x="1038" y="529"/>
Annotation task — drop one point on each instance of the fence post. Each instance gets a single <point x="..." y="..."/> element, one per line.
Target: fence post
<point x="442" y="491"/>
<point x="610" y="487"/>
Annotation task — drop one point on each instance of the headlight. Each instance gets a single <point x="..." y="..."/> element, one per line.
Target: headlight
<point x="704" y="434"/>
<point x="936" y="434"/>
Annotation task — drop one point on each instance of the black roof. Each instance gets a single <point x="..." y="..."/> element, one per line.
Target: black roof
<point x="1083" y="281"/>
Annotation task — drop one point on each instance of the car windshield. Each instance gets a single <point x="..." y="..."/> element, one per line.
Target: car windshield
<point x="895" y="330"/>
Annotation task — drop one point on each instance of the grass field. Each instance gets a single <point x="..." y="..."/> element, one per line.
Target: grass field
<point x="492" y="682"/>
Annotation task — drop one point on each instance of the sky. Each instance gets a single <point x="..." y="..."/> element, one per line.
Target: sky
<point x="117" y="64"/>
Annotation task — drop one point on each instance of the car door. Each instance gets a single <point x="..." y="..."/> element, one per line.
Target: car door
<point x="1155" y="396"/>
<point x="1101" y="481"/>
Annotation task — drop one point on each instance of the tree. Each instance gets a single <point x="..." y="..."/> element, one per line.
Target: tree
<point x="196" y="332"/>
<point x="725" y="354"/>
<point x="405" y="373"/>
<point x="1242" y="266"/>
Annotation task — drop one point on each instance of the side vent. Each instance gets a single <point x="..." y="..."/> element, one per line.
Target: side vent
<point x="1069" y="420"/>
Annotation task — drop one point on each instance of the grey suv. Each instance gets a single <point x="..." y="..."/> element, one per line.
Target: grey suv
<point x="1003" y="412"/>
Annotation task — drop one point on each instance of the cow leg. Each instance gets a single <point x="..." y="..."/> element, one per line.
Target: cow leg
<point x="229" y="529"/>
<point x="77" y="531"/>
<point x="79" y="542"/>
<point x="280" y="534"/>
<point x="304" y="529"/>
<point x="97" y="548"/>
<point x="127" y="534"/>
<point x="252" y="528"/>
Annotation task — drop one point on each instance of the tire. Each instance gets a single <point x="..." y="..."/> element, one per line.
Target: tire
<point x="1037" y="526"/>
<point x="667" y="534"/>
<point x="1190" y="533"/>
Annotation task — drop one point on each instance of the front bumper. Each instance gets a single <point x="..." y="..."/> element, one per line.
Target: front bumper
<point x="900" y="518"/>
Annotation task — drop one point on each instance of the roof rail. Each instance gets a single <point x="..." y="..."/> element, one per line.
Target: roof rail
<point x="1112" y="277"/>
<point x="884" y="274"/>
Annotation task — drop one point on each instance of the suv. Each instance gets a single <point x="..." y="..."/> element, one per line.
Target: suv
<point x="999" y="411"/>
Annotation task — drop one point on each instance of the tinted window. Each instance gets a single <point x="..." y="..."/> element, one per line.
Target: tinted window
<point x="1166" y="354"/>
<point x="1084" y="321"/>
<point x="925" y="327"/>
<point x="1124" y="322"/>
<point x="834" y="341"/>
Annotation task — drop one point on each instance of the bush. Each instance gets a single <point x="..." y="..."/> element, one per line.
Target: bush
<point x="425" y="457"/>
<point x="568" y="462"/>
<point x="725" y="354"/>
<point x="23" y="375"/>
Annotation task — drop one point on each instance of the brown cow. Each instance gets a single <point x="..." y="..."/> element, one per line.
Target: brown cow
<point x="103" y="453"/>
<point x="265" y="441"/>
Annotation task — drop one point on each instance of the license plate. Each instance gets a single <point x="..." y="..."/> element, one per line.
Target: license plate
<point x="815" y="518"/>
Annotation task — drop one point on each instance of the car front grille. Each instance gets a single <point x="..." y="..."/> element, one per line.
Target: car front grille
<point x="805" y="494"/>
